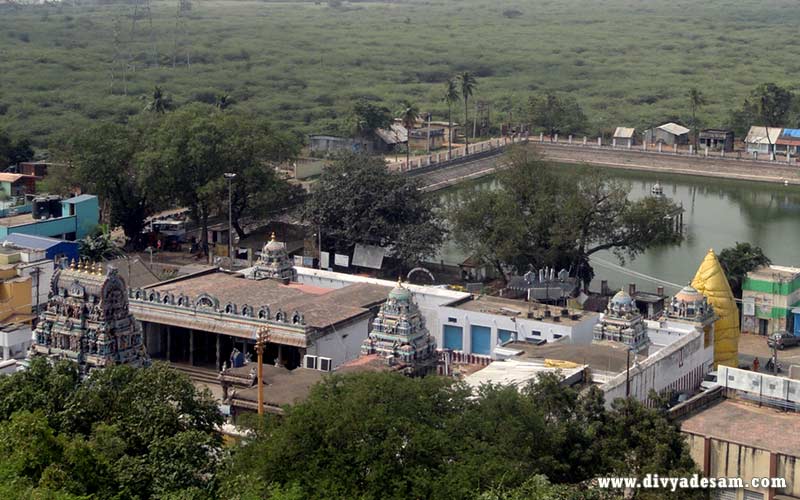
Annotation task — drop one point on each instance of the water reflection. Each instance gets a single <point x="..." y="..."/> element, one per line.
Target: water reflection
<point x="718" y="214"/>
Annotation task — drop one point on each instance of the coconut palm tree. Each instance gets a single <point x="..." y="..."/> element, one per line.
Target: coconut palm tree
<point x="159" y="102"/>
<point x="696" y="99"/>
<point x="409" y="114"/>
<point x="468" y="84"/>
<point x="451" y="96"/>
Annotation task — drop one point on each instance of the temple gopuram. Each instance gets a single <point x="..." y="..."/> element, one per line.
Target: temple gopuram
<point x="399" y="336"/>
<point x="87" y="320"/>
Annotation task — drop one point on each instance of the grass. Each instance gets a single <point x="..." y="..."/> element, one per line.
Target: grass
<point x="628" y="62"/>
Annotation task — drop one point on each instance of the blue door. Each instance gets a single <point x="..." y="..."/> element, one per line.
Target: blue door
<point x="453" y="338"/>
<point x="481" y="337"/>
<point x="504" y="336"/>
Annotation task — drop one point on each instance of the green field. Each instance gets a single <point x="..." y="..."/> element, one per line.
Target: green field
<point x="628" y="62"/>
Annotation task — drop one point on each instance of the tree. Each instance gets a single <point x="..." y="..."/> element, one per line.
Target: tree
<point x="159" y="102"/>
<point x="538" y="218"/>
<point x="223" y="101"/>
<point x="121" y="433"/>
<point x="768" y="105"/>
<point x="357" y="200"/>
<point x="468" y="83"/>
<point x="105" y="160"/>
<point x="409" y="114"/>
<point x="14" y="152"/>
<point x="382" y="435"/>
<point x="696" y="100"/>
<point x="193" y="147"/>
<point x="450" y="97"/>
<point x="366" y="117"/>
<point x="739" y="260"/>
<point x="556" y="114"/>
<point x="98" y="247"/>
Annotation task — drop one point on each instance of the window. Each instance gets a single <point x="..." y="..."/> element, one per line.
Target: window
<point x="453" y="338"/>
<point x="557" y="335"/>
<point x="536" y="333"/>
<point x="452" y="320"/>
<point x="481" y="340"/>
<point x="504" y="336"/>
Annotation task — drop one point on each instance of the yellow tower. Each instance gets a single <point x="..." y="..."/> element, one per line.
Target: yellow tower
<point x="711" y="281"/>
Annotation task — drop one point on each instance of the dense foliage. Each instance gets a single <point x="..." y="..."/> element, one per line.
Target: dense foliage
<point x="539" y="218"/>
<point x="383" y="436"/>
<point x="13" y="151"/>
<point x="163" y="159"/>
<point x="302" y="64"/>
<point x="739" y="260"/>
<point x="357" y="200"/>
<point x="122" y="433"/>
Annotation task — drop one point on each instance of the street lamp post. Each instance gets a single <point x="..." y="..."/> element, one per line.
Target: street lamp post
<point x="261" y="343"/>
<point x="230" y="176"/>
<point x="628" y="375"/>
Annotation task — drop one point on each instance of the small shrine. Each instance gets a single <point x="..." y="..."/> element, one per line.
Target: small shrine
<point x="87" y="320"/>
<point x="399" y="336"/>
<point x="690" y="305"/>
<point x="622" y="322"/>
<point x="274" y="263"/>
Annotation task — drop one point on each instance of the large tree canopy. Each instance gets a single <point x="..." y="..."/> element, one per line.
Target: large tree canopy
<point x="357" y="200"/>
<point x="122" y="433"/>
<point x="384" y="436"/>
<point x="554" y="114"/>
<point x="739" y="260"/>
<point x="13" y="151"/>
<point x="537" y="217"/>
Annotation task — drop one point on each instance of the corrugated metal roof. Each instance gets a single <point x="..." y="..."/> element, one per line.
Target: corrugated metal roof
<point x="7" y="177"/>
<point x="33" y="242"/>
<point x="758" y="135"/>
<point x="791" y="132"/>
<point x="81" y="198"/>
<point x="396" y="134"/>
<point x="624" y="132"/>
<point x="674" y="128"/>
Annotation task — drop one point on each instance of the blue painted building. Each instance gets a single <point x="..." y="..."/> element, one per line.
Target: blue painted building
<point x="77" y="217"/>
<point x="54" y="249"/>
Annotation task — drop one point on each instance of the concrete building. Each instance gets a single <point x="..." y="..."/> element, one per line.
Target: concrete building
<point x="761" y="140"/>
<point x="746" y="428"/>
<point x="768" y="296"/>
<point x="789" y="141"/>
<point x="679" y="351"/>
<point x="54" y="249"/>
<point x="15" y="311"/>
<point x="669" y="133"/>
<point x="426" y="138"/>
<point x="17" y="185"/>
<point x="33" y="265"/>
<point x="716" y="139"/>
<point x="624" y="137"/>
<point x="482" y="324"/>
<point x="72" y="219"/>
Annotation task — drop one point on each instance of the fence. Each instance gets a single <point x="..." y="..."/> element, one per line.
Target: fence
<point x="459" y="155"/>
<point x="662" y="149"/>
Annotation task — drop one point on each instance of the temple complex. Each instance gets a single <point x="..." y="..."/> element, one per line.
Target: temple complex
<point x="87" y="320"/>
<point x="399" y="336"/>
<point x="622" y="322"/>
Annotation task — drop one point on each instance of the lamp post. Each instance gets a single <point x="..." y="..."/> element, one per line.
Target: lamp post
<point x="628" y="375"/>
<point x="230" y="176"/>
<point x="261" y="343"/>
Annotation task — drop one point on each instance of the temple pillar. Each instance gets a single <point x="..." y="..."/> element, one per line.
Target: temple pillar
<point x="219" y="351"/>
<point x="169" y="342"/>
<point x="191" y="347"/>
<point x="279" y="359"/>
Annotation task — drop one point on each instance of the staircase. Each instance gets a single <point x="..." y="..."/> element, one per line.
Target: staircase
<point x="198" y="373"/>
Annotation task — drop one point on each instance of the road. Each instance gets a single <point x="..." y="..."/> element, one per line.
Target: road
<point x="752" y="346"/>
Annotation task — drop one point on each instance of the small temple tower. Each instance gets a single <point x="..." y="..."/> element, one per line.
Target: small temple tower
<point x="691" y="306"/>
<point x="87" y="320"/>
<point x="274" y="263"/>
<point x="622" y="322"/>
<point x="399" y="335"/>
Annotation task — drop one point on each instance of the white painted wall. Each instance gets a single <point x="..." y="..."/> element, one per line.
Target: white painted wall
<point x="679" y="366"/>
<point x="14" y="344"/>
<point x="343" y="344"/>
<point x="47" y="269"/>
<point x="579" y="333"/>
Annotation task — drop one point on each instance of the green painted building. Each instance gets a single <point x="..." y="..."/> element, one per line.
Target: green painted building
<point x="768" y="296"/>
